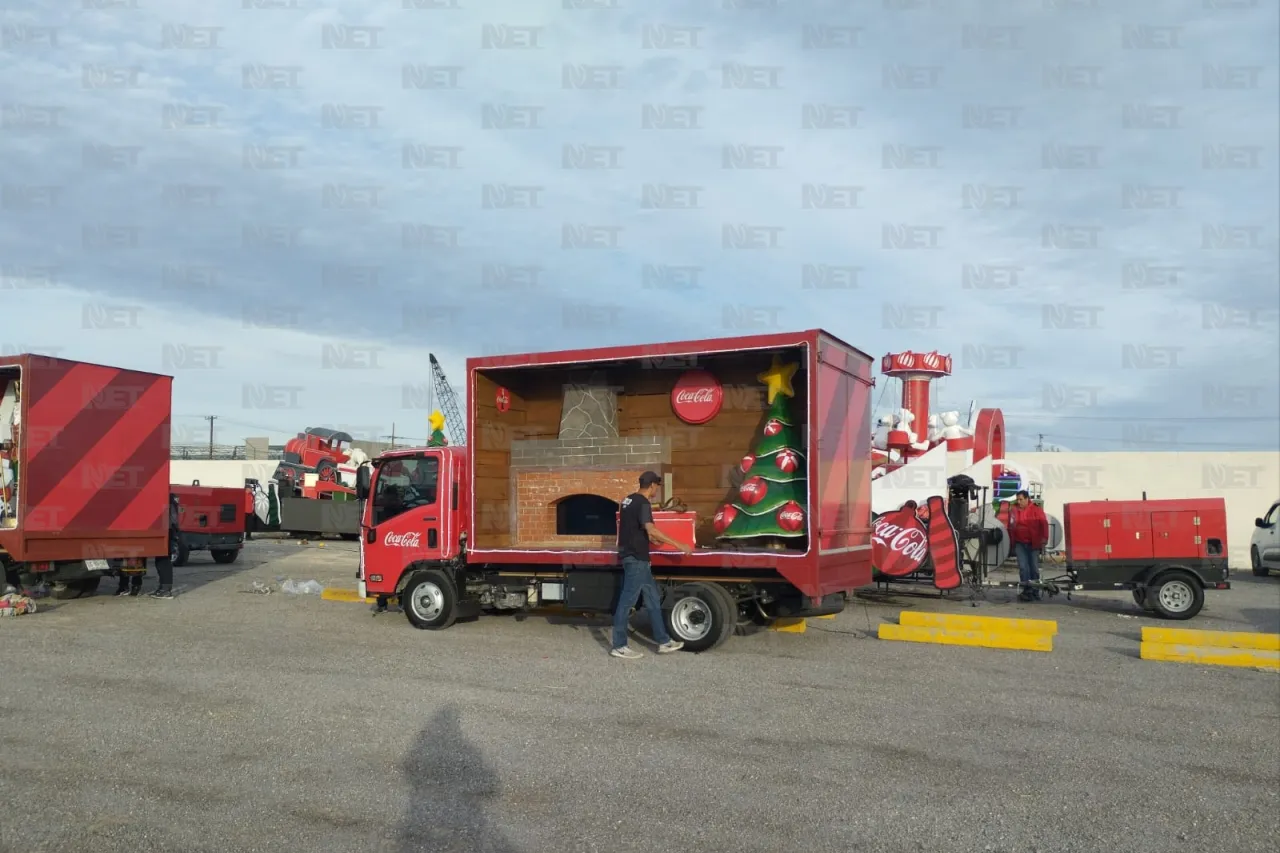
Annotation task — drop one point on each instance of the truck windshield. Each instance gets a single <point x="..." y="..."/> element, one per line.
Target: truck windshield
<point x="404" y="484"/>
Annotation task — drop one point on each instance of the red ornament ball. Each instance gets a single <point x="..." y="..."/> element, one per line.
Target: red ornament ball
<point x="723" y="518"/>
<point x="752" y="491"/>
<point x="747" y="462"/>
<point x="791" y="517"/>
<point x="787" y="461"/>
<point x="773" y="427"/>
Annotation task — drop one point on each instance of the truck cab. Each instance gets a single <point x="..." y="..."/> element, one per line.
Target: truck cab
<point x="414" y="505"/>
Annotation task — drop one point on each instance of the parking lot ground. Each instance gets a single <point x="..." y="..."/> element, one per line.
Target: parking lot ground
<point x="228" y="721"/>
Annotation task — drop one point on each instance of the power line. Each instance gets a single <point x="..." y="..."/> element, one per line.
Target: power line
<point x="1150" y="445"/>
<point x="1121" y="418"/>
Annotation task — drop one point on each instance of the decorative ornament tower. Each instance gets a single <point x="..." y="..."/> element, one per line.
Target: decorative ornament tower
<point x="773" y="496"/>
<point x="437" y="439"/>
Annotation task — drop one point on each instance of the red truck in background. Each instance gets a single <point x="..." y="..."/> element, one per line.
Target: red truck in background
<point x="453" y="531"/>
<point x="86" y="448"/>
<point x="209" y="519"/>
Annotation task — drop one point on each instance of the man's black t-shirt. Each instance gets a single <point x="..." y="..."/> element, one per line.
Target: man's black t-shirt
<point x="633" y="539"/>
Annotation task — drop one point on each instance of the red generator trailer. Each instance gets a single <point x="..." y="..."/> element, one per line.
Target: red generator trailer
<point x="1168" y="552"/>
<point x="209" y="519"/>
<point x="84" y="479"/>
<point x="763" y="443"/>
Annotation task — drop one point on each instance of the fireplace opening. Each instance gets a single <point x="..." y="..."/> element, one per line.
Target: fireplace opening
<point x="586" y="515"/>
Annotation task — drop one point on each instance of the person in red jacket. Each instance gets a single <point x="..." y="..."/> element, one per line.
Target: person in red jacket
<point x="1029" y="531"/>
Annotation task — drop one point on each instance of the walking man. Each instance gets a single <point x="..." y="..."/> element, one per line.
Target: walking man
<point x="1029" y="530"/>
<point x="636" y="531"/>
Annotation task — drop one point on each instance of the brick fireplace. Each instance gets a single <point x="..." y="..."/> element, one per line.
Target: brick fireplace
<point x="566" y="489"/>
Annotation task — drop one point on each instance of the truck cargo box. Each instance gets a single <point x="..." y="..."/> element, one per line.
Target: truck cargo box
<point x="91" y="447"/>
<point x="559" y="439"/>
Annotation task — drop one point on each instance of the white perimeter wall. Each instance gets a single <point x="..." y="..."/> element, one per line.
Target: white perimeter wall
<point x="1249" y="481"/>
<point x="219" y="472"/>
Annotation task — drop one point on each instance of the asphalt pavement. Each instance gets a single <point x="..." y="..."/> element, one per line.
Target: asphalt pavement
<point x="225" y="720"/>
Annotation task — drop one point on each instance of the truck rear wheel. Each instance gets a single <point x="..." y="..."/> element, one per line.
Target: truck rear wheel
<point x="178" y="552"/>
<point x="65" y="590"/>
<point x="701" y="615"/>
<point x="430" y="600"/>
<point x="1176" y="595"/>
<point x="225" y="555"/>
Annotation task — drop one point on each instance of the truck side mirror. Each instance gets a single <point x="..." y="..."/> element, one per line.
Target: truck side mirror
<point x="362" y="482"/>
<point x="1257" y="522"/>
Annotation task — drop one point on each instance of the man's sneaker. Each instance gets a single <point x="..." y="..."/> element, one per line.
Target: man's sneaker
<point x="626" y="652"/>
<point x="670" y="646"/>
<point x="162" y="593"/>
<point x="124" y="590"/>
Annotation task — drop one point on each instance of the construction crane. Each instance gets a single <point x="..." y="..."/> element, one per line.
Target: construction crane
<point x="453" y="421"/>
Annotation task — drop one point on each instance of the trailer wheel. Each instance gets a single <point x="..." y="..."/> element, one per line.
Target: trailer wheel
<point x="1176" y="595"/>
<point x="66" y="590"/>
<point x="430" y="600"/>
<point x="225" y="555"/>
<point x="1255" y="559"/>
<point x="701" y="615"/>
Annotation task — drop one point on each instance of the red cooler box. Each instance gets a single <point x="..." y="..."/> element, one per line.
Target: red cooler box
<point x="680" y="526"/>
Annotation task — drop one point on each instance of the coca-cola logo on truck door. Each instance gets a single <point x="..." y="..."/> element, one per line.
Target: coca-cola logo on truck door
<point x="899" y="542"/>
<point x="697" y="397"/>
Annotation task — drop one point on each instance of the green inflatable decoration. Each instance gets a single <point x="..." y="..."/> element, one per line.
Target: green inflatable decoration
<point x="773" y="496"/>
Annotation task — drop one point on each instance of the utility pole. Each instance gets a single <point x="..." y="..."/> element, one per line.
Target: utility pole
<point x="210" y="419"/>
<point x="392" y="436"/>
<point x="1040" y="443"/>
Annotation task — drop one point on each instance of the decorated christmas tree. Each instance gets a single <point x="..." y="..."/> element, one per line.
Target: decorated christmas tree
<point x="771" y="500"/>
<point x="437" y="439"/>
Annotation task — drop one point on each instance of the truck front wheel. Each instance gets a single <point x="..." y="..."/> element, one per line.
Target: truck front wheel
<point x="701" y="615"/>
<point x="430" y="600"/>
<point x="178" y="552"/>
<point x="1175" y="595"/>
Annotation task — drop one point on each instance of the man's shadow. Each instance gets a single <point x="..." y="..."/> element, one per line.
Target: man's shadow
<point x="449" y="784"/>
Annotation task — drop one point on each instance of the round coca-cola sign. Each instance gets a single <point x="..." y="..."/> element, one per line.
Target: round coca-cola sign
<point x="697" y="397"/>
<point x="502" y="399"/>
<point x="899" y="542"/>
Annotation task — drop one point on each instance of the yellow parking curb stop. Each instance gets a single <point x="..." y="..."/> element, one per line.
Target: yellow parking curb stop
<point x="1014" y="640"/>
<point x="922" y="619"/>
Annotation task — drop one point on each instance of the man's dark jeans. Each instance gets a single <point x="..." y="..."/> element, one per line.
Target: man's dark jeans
<point x="637" y="579"/>
<point x="1028" y="567"/>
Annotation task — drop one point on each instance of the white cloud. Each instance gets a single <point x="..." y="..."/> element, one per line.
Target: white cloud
<point x="198" y="242"/>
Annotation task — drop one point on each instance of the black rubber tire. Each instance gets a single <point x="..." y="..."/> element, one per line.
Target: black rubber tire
<point x="225" y="555"/>
<point x="1255" y="559"/>
<point x="1140" y="597"/>
<point x="1167" y="579"/>
<point x="67" y="590"/>
<point x="717" y="607"/>
<point x="448" y="611"/>
<point x="179" y="553"/>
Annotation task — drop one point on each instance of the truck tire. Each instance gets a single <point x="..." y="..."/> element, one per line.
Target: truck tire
<point x="178" y="552"/>
<point x="430" y="600"/>
<point x="1176" y="595"/>
<point x="66" y="590"/>
<point x="1255" y="559"/>
<point x="225" y="555"/>
<point x="700" y="615"/>
<point x="1141" y="598"/>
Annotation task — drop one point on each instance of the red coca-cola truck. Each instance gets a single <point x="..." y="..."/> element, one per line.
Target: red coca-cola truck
<point x="527" y="514"/>
<point x="85" y="484"/>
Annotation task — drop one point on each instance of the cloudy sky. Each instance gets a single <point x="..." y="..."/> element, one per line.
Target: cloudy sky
<point x="288" y="203"/>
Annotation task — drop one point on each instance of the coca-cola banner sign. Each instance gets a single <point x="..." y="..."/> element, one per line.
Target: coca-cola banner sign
<point x="899" y="542"/>
<point x="697" y="397"/>
<point x="412" y="539"/>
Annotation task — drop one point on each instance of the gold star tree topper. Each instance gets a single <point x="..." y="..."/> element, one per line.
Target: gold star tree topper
<point x="778" y="378"/>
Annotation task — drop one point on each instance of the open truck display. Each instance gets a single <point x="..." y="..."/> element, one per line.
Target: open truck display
<point x="85" y="448"/>
<point x="763" y="443"/>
